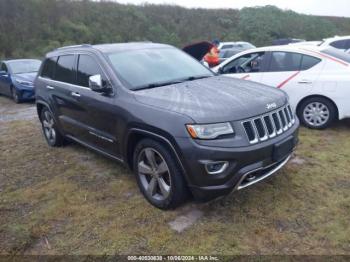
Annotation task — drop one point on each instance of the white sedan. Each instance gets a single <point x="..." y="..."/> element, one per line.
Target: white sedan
<point x="316" y="79"/>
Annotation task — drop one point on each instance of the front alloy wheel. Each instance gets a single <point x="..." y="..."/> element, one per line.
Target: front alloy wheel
<point x="154" y="174"/>
<point x="159" y="175"/>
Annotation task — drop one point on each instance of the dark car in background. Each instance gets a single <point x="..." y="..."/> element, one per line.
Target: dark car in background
<point x="287" y="41"/>
<point x="226" y="53"/>
<point x="239" y="44"/>
<point x="17" y="77"/>
<point x="177" y="125"/>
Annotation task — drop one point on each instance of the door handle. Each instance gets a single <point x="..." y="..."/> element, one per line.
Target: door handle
<point x="50" y="87"/>
<point x="305" y="82"/>
<point x="75" y="94"/>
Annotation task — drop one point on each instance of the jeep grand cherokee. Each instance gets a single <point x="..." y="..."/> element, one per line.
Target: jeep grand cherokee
<point x="179" y="127"/>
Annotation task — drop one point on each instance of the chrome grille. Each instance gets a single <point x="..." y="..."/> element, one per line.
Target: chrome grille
<point x="269" y="125"/>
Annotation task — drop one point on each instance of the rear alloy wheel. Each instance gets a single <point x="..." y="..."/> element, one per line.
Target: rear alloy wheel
<point x="15" y="95"/>
<point x="158" y="175"/>
<point x="51" y="133"/>
<point x="317" y="113"/>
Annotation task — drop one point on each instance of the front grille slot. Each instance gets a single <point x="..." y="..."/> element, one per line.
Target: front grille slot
<point x="283" y="120"/>
<point x="277" y="122"/>
<point x="249" y="129"/>
<point x="269" y="125"/>
<point x="291" y="114"/>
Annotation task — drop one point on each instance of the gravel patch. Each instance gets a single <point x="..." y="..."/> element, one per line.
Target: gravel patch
<point x="185" y="221"/>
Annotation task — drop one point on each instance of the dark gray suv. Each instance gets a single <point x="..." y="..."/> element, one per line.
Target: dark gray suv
<point x="179" y="127"/>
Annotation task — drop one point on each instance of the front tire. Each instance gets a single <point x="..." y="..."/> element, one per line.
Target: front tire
<point x="317" y="113"/>
<point x="50" y="130"/>
<point x="159" y="175"/>
<point x="15" y="96"/>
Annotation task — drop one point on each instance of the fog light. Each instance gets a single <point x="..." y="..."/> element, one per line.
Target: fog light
<point x="214" y="168"/>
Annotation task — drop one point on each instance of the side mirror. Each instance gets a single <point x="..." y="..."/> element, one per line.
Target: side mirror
<point x="221" y="70"/>
<point x="96" y="84"/>
<point x="3" y="73"/>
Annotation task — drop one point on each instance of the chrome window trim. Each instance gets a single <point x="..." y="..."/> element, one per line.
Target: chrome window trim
<point x="78" y="53"/>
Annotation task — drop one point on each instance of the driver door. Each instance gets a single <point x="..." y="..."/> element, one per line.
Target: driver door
<point x="249" y="66"/>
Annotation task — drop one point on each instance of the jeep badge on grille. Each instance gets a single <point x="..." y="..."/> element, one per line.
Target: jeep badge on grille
<point x="271" y="106"/>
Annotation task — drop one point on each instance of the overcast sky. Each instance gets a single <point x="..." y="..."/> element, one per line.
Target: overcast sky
<point x="315" y="7"/>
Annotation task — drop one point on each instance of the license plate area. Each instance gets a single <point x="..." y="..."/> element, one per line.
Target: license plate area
<point x="282" y="149"/>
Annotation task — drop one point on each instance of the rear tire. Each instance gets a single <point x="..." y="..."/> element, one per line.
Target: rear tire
<point x="317" y="113"/>
<point x="50" y="130"/>
<point x="159" y="175"/>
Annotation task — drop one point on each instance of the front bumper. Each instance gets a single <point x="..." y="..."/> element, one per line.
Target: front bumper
<point x="26" y="93"/>
<point x="247" y="165"/>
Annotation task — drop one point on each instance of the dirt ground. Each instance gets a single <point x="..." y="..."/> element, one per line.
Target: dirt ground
<point x="73" y="201"/>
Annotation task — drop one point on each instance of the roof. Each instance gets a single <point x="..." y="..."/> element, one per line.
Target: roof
<point x="345" y="37"/>
<point x="290" y="48"/>
<point x="19" y="60"/>
<point x="108" y="48"/>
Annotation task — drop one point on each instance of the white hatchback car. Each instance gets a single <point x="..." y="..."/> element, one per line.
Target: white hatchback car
<point x="316" y="79"/>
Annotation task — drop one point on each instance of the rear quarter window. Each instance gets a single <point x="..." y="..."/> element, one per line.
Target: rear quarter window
<point x="340" y="44"/>
<point x="309" y="62"/>
<point x="49" y="66"/>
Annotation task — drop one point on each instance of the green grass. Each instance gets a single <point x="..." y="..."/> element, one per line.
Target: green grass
<point x="73" y="201"/>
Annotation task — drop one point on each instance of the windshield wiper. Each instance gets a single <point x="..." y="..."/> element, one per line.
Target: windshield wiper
<point x="191" y="78"/>
<point x="154" y="85"/>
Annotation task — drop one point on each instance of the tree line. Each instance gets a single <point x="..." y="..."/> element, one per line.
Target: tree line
<point x="30" y="28"/>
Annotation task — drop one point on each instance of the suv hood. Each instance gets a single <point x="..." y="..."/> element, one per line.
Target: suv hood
<point x="214" y="99"/>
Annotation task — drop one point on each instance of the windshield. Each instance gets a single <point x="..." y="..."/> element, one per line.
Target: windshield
<point x="337" y="54"/>
<point x="24" y="66"/>
<point x="147" y="67"/>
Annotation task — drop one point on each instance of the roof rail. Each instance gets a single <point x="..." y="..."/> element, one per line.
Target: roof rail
<point x="72" y="46"/>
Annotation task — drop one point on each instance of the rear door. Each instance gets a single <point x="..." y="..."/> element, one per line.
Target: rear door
<point x="249" y="66"/>
<point x="296" y="73"/>
<point x="60" y="76"/>
<point x="5" y="80"/>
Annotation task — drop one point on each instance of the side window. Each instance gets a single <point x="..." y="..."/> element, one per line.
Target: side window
<point x="249" y="63"/>
<point x="49" y="66"/>
<point x="347" y="45"/>
<point x="285" y="61"/>
<point x="3" y="67"/>
<point x="308" y="62"/>
<point x="226" y="46"/>
<point x="87" y="66"/>
<point x="65" y="69"/>
<point x="339" y="44"/>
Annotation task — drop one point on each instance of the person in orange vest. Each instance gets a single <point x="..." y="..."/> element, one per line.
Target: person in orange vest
<point x="212" y="58"/>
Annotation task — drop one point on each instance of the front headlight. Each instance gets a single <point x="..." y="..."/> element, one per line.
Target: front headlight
<point x="24" y="83"/>
<point x="209" y="131"/>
